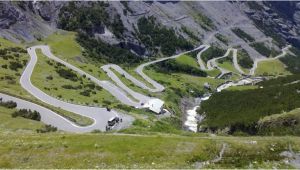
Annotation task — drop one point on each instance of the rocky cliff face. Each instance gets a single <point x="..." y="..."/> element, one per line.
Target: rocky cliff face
<point x="277" y="18"/>
<point x="197" y="22"/>
<point x="28" y="21"/>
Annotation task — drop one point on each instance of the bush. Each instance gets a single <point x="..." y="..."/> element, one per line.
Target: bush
<point x="4" y="66"/>
<point x="15" y="65"/>
<point x="67" y="74"/>
<point x="67" y="86"/>
<point x="46" y="129"/>
<point x="49" y="77"/>
<point x="28" y="114"/>
<point x="85" y="93"/>
<point x="8" y="104"/>
<point x="91" y="86"/>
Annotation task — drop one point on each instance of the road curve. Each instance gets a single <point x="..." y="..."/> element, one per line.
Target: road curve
<point x="107" y="68"/>
<point x="285" y="50"/>
<point x="113" y="89"/>
<point x="54" y="119"/>
<point x="235" y="62"/>
<point x="212" y="64"/>
<point x="99" y="115"/>
<point x="200" y="61"/>
<point x="159" y="87"/>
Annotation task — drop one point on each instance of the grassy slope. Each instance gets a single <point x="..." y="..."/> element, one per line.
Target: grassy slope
<point x="245" y="87"/>
<point x="56" y="150"/>
<point x="228" y="65"/>
<point x="64" y="46"/>
<point x="281" y="124"/>
<point x="14" y="87"/>
<point x="7" y="123"/>
<point x="213" y="73"/>
<point x="187" y="60"/>
<point x="178" y="80"/>
<point x="272" y="68"/>
<point x="43" y="70"/>
<point x="65" y="150"/>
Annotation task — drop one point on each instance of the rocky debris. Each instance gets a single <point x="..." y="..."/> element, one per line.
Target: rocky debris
<point x="292" y="158"/>
<point x="199" y="165"/>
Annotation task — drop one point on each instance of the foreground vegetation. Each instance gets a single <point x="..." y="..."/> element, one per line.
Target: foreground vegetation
<point x="57" y="150"/>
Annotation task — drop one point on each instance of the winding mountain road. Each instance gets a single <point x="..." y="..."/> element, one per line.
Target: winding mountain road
<point x="118" y="90"/>
<point x="212" y="63"/>
<point x="159" y="87"/>
<point x="100" y="116"/>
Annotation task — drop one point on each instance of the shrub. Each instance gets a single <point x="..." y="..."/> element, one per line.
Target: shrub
<point x="90" y="86"/>
<point x="15" y="65"/>
<point x="8" y="104"/>
<point x="71" y="87"/>
<point x="85" y="93"/>
<point x="4" y="66"/>
<point x="67" y="74"/>
<point x="46" y="129"/>
<point x="49" y="77"/>
<point x="28" y="114"/>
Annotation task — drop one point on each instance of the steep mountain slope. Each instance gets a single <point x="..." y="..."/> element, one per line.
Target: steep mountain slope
<point x="194" y="21"/>
<point x="280" y="20"/>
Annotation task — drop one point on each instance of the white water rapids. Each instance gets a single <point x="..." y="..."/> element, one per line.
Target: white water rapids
<point x="192" y="118"/>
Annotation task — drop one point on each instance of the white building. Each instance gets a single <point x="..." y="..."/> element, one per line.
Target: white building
<point x="155" y="105"/>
